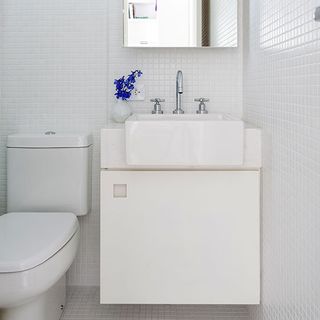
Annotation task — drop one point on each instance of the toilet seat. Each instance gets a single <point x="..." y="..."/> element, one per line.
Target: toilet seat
<point x="29" y="239"/>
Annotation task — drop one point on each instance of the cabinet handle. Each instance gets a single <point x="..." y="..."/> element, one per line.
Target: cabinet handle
<point x="120" y="191"/>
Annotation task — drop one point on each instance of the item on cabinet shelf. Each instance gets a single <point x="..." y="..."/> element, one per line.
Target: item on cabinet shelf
<point x="317" y="14"/>
<point x="138" y="10"/>
<point x="121" y="111"/>
<point x="202" y="106"/>
<point x="157" y="105"/>
<point x="130" y="10"/>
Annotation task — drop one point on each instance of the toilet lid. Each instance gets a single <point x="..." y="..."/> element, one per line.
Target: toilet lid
<point x="29" y="239"/>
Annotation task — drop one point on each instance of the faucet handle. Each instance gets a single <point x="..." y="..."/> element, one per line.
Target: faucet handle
<point x="201" y="100"/>
<point x="202" y="106"/>
<point x="157" y="100"/>
<point x="157" y="105"/>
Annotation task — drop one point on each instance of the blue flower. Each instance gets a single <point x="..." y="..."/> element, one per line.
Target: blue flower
<point x="124" y="86"/>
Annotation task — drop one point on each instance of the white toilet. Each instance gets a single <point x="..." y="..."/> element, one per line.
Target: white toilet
<point x="49" y="184"/>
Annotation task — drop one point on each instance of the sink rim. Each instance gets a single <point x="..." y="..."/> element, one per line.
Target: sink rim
<point x="187" y="117"/>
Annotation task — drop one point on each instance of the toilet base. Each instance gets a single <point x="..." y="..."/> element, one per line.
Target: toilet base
<point x="48" y="306"/>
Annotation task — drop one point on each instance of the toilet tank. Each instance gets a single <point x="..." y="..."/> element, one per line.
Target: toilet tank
<point x="49" y="173"/>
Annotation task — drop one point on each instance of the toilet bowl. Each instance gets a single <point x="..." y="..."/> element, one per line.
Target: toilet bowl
<point x="36" y="250"/>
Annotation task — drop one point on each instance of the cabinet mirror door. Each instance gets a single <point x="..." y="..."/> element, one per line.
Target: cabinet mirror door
<point x="180" y="23"/>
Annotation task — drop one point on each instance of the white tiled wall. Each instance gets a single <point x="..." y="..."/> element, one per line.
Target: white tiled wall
<point x="54" y="77"/>
<point x="282" y="95"/>
<point x="58" y="62"/>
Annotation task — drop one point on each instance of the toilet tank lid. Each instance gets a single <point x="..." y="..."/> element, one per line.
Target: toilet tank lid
<point x="49" y="139"/>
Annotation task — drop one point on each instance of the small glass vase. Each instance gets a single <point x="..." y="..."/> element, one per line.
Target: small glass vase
<point x="121" y="111"/>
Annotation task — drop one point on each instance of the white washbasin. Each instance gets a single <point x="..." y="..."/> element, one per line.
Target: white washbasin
<point x="186" y="140"/>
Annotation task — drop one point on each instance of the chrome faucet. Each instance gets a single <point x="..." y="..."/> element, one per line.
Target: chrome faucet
<point x="179" y="92"/>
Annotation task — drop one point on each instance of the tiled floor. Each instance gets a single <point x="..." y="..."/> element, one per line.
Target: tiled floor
<point x="83" y="304"/>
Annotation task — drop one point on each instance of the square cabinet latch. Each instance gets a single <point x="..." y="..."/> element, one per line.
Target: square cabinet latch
<point x="120" y="191"/>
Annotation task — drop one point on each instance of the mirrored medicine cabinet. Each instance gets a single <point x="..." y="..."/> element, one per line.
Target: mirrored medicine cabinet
<point x="180" y="23"/>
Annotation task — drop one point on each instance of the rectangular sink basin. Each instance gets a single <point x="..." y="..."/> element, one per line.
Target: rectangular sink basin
<point x="184" y="140"/>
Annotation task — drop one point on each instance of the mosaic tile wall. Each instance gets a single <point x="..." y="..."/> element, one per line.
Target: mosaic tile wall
<point x="282" y="95"/>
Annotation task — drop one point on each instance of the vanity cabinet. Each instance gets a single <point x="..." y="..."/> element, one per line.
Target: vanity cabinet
<point x="180" y="237"/>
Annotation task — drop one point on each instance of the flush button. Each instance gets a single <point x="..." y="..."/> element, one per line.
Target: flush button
<point x="120" y="191"/>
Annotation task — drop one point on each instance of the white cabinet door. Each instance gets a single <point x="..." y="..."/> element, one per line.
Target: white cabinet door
<point x="178" y="237"/>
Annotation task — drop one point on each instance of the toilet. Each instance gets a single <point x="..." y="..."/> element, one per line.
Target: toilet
<point x="48" y="186"/>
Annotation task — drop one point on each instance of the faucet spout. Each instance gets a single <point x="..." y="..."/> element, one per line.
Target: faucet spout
<point x="179" y="82"/>
<point x="179" y="92"/>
